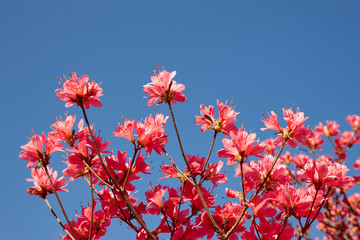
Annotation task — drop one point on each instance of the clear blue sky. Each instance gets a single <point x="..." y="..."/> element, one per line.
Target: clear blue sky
<point x="265" y="55"/>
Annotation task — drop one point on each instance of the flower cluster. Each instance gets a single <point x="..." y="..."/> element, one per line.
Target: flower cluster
<point x="279" y="193"/>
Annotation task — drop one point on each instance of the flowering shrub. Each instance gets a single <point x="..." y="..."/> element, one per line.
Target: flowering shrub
<point x="280" y="197"/>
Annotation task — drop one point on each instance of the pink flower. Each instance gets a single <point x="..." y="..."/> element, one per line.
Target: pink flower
<point x="314" y="142"/>
<point x="239" y="147"/>
<point x="63" y="130"/>
<point x="80" y="154"/>
<point x="151" y="133"/>
<point x="163" y="87"/>
<point x="213" y="174"/>
<point x="356" y="165"/>
<point x="191" y="194"/>
<point x="269" y="230"/>
<point x="34" y="150"/>
<point x="272" y="123"/>
<point x="294" y="131"/>
<point x="196" y="164"/>
<point x="126" y="130"/>
<point x="330" y="130"/>
<point x="155" y="199"/>
<point x="300" y="160"/>
<point x="261" y="209"/>
<point x="170" y="171"/>
<point x="354" y="121"/>
<point x="80" y="91"/>
<point x="42" y="186"/>
<point x="292" y="201"/>
<point x="269" y="146"/>
<point x="225" y="217"/>
<point x="347" y="139"/>
<point x="82" y="225"/>
<point x="256" y="172"/>
<point x="324" y="172"/>
<point x="119" y="167"/>
<point x="190" y="233"/>
<point x="223" y="124"/>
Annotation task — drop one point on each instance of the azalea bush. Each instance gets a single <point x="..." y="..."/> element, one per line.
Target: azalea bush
<point x="281" y="195"/>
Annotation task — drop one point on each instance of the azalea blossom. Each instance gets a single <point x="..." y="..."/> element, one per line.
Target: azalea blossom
<point x="151" y="133"/>
<point x="80" y="91"/>
<point x="295" y="131"/>
<point x="192" y="195"/>
<point x="63" y="130"/>
<point x="119" y="166"/>
<point x="300" y="160"/>
<point x="162" y="86"/>
<point x="269" y="230"/>
<point x="256" y="172"/>
<point x="324" y="172"/>
<point x="314" y="142"/>
<point x="331" y="129"/>
<point x="269" y="146"/>
<point x="225" y="217"/>
<point x="82" y="225"/>
<point x="240" y="146"/>
<point x="225" y="122"/>
<point x="354" y="121"/>
<point x="42" y="185"/>
<point x="356" y="165"/>
<point x="33" y="150"/>
<point x="155" y="199"/>
<point x="292" y="201"/>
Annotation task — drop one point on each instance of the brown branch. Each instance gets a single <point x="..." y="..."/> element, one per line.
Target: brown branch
<point x="60" y="204"/>
<point x="122" y="191"/>
<point x="57" y="218"/>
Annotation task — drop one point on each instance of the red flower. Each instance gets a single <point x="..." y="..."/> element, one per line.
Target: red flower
<point x="163" y="87"/>
<point x="223" y="124"/>
<point x="151" y="133"/>
<point x="354" y="121"/>
<point x="42" y="186"/>
<point x="80" y="91"/>
<point x="324" y="172"/>
<point x="331" y="129"/>
<point x="294" y="131"/>
<point x="240" y="146"/>
<point x="34" y="149"/>
<point x="225" y="217"/>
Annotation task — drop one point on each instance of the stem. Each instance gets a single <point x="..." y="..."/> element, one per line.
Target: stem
<point x="307" y="225"/>
<point x="57" y="218"/>
<point x="178" y="211"/>
<point x="256" y="229"/>
<point x="60" y="204"/>
<point x="97" y="193"/>
<point x="332" y="143"/>
<point x="178" y="137"/>
<point x="208" y="157"/>
<point x="92" y="206"/>
<point x="122" y="191"/>
<point x="283" y="226"/>
<point x="257" y="192"/>
<point x="242" y="181"/>
<point x="125" y="219"/>
<point x="98" y="177"/>
<point x="131" y="165"/>
<point x="272" y="167"/>
<point x="218" y="229"/>
<point x="351" y="209"/>
<point x="186" y="220"/>
<point x="178" y="169"/>
<point x="312" y="205"/>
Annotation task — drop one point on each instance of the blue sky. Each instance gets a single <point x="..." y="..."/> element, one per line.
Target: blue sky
<point x="265" y="55"/>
